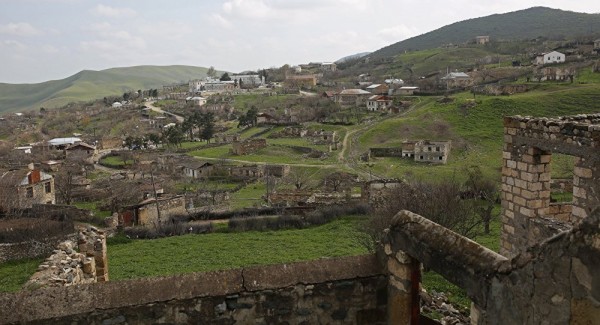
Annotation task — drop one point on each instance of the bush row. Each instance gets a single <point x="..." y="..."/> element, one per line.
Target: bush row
<point x="313" y="218"/>
<point x="167" y="230"/>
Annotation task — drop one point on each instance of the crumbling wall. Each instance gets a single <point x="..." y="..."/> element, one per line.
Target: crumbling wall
<point x="248" y="146"/>
<point x="554" y="282"/>
<point x="526" y="178"/>
<point x="348" y="290"/>
<point x="67" y="267"/>
<point x="386" y="152"/>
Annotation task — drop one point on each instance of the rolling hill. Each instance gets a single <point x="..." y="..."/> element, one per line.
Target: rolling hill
<point x="525" y="24"/>
<point x="89" y="85"/>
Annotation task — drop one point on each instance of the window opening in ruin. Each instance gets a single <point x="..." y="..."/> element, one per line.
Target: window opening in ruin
<point x="561" y="184"/>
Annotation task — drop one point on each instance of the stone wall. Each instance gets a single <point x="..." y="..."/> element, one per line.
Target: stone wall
<point x="528" y="147"/>
<point x="248" y="146"/>
<point x="348" y="290"/>
<point x="28" y="249"/>
<point x="386" y="152"/>
<point x="554" y="282"/>
<point x="67" y="267"/>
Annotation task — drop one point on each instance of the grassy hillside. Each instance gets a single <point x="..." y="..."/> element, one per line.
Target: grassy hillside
<point x="518" y="25"/>
<point x="88" y="85"/>
<point x="477" y="132"/>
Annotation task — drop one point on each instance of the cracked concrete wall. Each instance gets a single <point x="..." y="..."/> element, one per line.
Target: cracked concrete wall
<point x="339" y="290"/>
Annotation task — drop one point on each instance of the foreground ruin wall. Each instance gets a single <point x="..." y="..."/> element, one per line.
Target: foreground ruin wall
<point x="554" y="282"/>
<point x="349" y="290"/>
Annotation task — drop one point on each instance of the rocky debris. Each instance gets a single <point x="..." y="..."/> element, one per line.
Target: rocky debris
<point x="436" y="303"/>
<point x="66" y="266"/>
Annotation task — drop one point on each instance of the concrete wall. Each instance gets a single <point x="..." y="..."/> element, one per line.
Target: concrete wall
<point x="349" y="290"/>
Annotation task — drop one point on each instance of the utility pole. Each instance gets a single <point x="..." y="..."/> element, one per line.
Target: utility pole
<point x="155" y="196"/>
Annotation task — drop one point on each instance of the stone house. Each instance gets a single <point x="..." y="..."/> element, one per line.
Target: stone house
<point x="146" y="214"/>
<point x="352" y="97"/>
<point x="377" y="103"/>
<point x="378" y="89"/>
<point x="597" y="46"/>
<point x="457" y="79"/>
<point x="81" y="148"/>
<point x="329" y="66"/>
<point x="247" y="171"/>
<point x="196" y="100"/>
<point x="248" y="146"/>
<point x="300" y="81"/>
<point x="264" y="118"/>
<point x="406" y="90"/>
<point x="432" y="151"/>
<point x="549" y="57"/>
<point x="197" y="169"/>
<point x="482" y="39"/>
<point x="21" y="189"/>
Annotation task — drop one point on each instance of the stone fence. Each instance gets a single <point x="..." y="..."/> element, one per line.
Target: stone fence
<point x="66" y="267"/>
<point x="341" y="290"/>
<point x="28" y="249"/>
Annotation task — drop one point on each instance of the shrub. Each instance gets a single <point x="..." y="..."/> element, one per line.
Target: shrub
<point x="313" y="218"/>
<point x="167" y="230"/>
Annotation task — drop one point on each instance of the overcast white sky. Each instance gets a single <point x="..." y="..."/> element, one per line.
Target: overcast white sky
<point x="53" y="39"/>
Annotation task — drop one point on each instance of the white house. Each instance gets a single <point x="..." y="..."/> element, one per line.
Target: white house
<point x="378" y="103"/>
<point x="197" y="100"/>
<point x="117" y="105"/>
<point x="550" y="57"/>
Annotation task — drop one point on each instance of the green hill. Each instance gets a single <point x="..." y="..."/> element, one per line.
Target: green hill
<point x="89" y="85"/>
<point x="525" y="24"/>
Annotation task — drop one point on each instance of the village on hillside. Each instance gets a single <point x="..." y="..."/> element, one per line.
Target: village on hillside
<point x="345" y="145"/>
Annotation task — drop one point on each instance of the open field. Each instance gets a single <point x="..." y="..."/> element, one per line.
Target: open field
<point x="217" y="251"/>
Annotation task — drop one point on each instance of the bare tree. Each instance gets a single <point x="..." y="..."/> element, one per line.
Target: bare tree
<point x="485" y="194"/>
<point x="298" y="177"/>
<point x="440" y="202"/>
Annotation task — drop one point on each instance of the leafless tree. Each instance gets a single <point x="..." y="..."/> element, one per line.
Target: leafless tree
<point x="440" y="202"/>
<point x="299" y="178"/>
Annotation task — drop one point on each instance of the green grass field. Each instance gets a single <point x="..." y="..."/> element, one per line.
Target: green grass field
<point x="14" y="274"/>
<point x="218" y="251"/>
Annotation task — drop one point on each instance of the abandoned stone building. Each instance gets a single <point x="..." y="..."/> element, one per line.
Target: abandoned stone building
<point x="248" y="146"/>
<point x="545" y="273"/>
<point x="435" y="152"/>
<point x="22" y="188"/>
<point x="146" y="213"/>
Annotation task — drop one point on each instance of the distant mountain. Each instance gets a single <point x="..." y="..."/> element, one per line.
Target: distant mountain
<point x="89" y="85"/>
<point x="352" y="57"/>
<point x="518" y="25"/>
